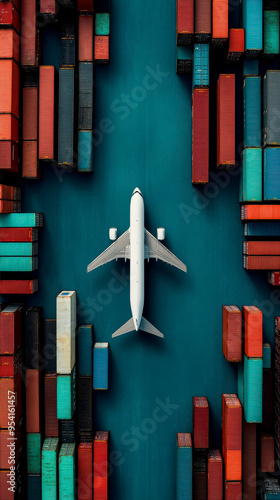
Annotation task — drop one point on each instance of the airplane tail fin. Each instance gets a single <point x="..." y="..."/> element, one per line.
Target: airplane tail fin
<point x="145" y="326"/>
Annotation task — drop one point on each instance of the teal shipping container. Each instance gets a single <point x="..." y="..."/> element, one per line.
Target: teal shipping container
<point x="184" y="467"/>
<point x="102" y="23"/>
<point x="100" y="365"/>
<point x="252" y="112"/>
<point x="271" y="174"/>
<point x="271" y="108"/>
<point x="18" y="249"/>
<point x="85" y="151"/>
<point x="20" y="264"/>
<point x="262" y="229"/>
<point x="66" y="395"/>
<point x="240" y="383"/>
<point x="201" y="65"/>
<point x="184" y="60"/>
<point x="34" y="487"/>
<point x="66" y="111"/>
<point x="34" y="453"/>
<point x="250" y="67"/>
<point x="271" y="32"/>
<point x="253" y="388"/>
<point x="251" y="175"/>
<point x="85" y="350"/>
<point x="86" y="85"/>
<point x="66" y="467"/>
<point x="266" y="356"/>
<point x="21" y="220"/>
<point x="252" y="18"/>
<point x="49" y="469"/>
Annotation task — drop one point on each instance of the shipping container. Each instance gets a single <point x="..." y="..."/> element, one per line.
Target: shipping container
<point x="100" y="465"/>
<point x="236" y="45"/>
<point x="9" y="131"/>
<point x="49" y="351"/>
<point x="51" y="421"/>
<point x="270" y="489"/>
<point x="13" y="387"/>
<point x="226" y="121"/>
<point x="66" y="395"/>
<point x="34" y="486"/>
<point x="68" y="51"/>
<point x="33" y="400"/>
<point x="86" y="84"/>
<point x="33" y="335"/>
<point x="66" y="465"/>
<point x="199" y="474"/>
<point x="85" y="38"/>
<point x="6" y="207"/>
<point x="266" y="356"/>
<point x="30" y="114"/>
<point x="11" y="364"/>
<point x="202" y="20"/>
<point x="9" y="154"/>
<point x="232" y="333"/>
<point x="85" y="337"/>
<point x="19" y="482"/>
<point x="100" y="365"/>
<point x="253" y="331"/>
<point x="85" y="151"/>
<point x="66" y="142"/>
<point x="68" y="430"/>
<point x="49" y="469"/>
<point x="7" y="439"/>
<point x="184" y="21"/>
<point x="66" y="318"/>
<point x="274" y="278"/>
<point x="261" y="263"/>
<point x="240" y="383"/>
<point x="9" y="44"/>
<point x="252" y="112"/>
<point x="259" y="212"/>
<point x="232" y="436"/>
<point x="215" y="475"/>
<point x="30" y="165"/>
<point x="102" y="23"/>
<point x="271" y="32"/>
<point x="68" y="25"/>
<point x="28" y="33"/>
<point x="261" y="247"/>
<point x="233" y="490"/>
<point x="249" y="459"/>
<point x="101" y="49"/>
<point x="252" y="19"/>
<point x="85" y="5"/>
<point x="184" y="60"/>
<point x="219" y="21"/>
<point x="271" y="108"/>
<point x="277" y="386"/>
<point x="7" y="192"/>
<point x="201" y="65"/>
<point x="18" y="249"/>
<point x="250" y="67"/>
<point x="267" y="453"/>
<point x="10" y="329"/>
<point x="271" y="174"/>
<point x="34" y="453"/>
<point x="200" y="136"/>
<point x="22" y="287"/>
<point x="47" y="106"/>
<point x="253" y="386"/>
<point x="9" y="16"/>
<point x="21" y="264"/>
<point x="184" y="466"/>
<point x="18" y="234"/>
<point x="200" y="422"/>
<point x="85" y="402"/>
<point x="48" y="7"/>
<point x="85" y="471"/>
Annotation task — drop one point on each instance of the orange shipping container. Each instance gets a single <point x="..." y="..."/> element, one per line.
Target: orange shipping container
<point x="220" y="19"/>
<point x="232" y="333"/>
<point x="101" y="49"/>
<point x="233" y="490"/>
<point x="10" y="395"/>
<point x="30" y="114"/>
<point x="9" y="44"/>
<point x="8" y="155"/>
<point x="9" y="128"/>
<point x="47" y="113"/>
<point x="9" y="87"/>
<point x="232" y="437"/>
<point x="6" y="207"/>
<point x="30" y="166"/>
<point x="28" y="33"/>
<point x="85" y="38"/>
<point x="253" y="330"/>
<point x="33" y="423"/>
<point x="226" y="121"/>
<point x="5" y="440"/>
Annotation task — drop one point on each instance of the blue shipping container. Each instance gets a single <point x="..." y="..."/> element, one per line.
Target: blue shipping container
<point x="252" y="110"/>
<point x="253" y="387"/>
<point x="271" y="173"/>
<point x="100" y="365"/>
<point x="240" y="383"/>
<point x="66" y="116"/>
<point x="266" y="356"/>
<point x="262" y="229"/>
<point x="34" y="486"/>
<point x="85" y="350"/>
<point x="252" y="17"/>
<point x="250" y="67"/>
<point x="251" y="175"/>
<point x="184" y="473"/>
<point x="201" y="65"/>
<point x="85" y="151"/>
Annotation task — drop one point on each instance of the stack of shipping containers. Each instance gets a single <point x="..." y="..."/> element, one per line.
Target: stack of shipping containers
<point x="100" y="465"/>
<point x="232" y="445"/>
<point x="271" y="138"/>
<point x="184" y="466"/>
<point x="226" y="121"/>
<point x="184" y="35"/>
<point x="102" y="31"/>
<point x="85" y="387"/>
<point x="201" y="446"/>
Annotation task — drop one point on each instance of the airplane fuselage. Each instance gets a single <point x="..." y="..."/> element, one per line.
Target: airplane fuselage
<point x="137" y="235"/>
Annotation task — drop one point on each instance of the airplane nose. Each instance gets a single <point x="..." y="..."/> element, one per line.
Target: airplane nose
<point x="137" y="190"/>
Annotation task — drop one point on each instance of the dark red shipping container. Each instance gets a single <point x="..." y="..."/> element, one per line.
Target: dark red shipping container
<point x="215" y="475"/>
<point x="232" y="436"/>
<point x="261" y="247"/>
<point x="268" y="403"/>
<point x="28" y="33"/>
<point x="236" y="40"/>
<point x="267" y="453"/>
<point x="6" y="192"/>
<point x="85" y="471"/>
<point x="253" y="331"/>
<point x="85" y="38"/>
<point x="200" y="136"/>
<point x="6" y="440"/>
<point x="184" y="21"/>
<point x="10" y="365"/>
<point x="6" y="207"/>
<point x="9" y="16"/>
<point x="9" y="87"/>
<point x="9" y="131"/>
<point x="233" y="490"/>
<point x="200" y="422"/>
<point x="30" y="114"/>
<point x="30" y="165"/>
<point x="9" y="156"/>
<point x="9" y="44"/>
<point x="51" y="422"/>
<point x="47" y="113"/>
<point x="85" y="5"/>
<point x="219" y="20"/>
<point x="261" y="263"/>
<point x="17" y="4"/>
<point x="33" y="420"/>
<point x="249" y="459"/>
<point x="101" y="49"/>
<point x="24" y="287"/>
<point x="10" y="396"/>
<point x="274" y="278"/>
<point x="10" y="329"/>
<point x="232" y="333"/>
<point x="202" y="20"/>
<point x="101" y="444"/>
<point x="260" y="212"/>
<point x="226" y="121"/>
<point x="18" y="234"/>
<point x="48" y="7"/>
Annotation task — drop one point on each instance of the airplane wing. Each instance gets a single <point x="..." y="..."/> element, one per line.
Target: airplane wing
<point x="156" y="250"/>
<point x="119" y="249"/>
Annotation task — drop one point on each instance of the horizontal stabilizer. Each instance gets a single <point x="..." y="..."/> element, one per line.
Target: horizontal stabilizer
<point x="126" y="328"/>
<point x="146" y="326"/>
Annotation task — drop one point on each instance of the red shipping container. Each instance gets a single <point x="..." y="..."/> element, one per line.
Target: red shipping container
<point x="253" y="330"/>
<point x="226" y="121"/>
<point x="10" y="445"/>
<point x="9" y="131"/>
<point x="261" y="247"/>
<point x="232" y="436"/>
<point x="184" y="21"/>
<point x="100" y="488"/>
<point x="233" y="490"/>
<point x="200" y="136"/>
<point x="101" y="444"/>
<point x="85" y="471"/>
<point x="236" y="40"/>
<point x="51" y="422"/>
<point x="28" y="33"/>
<point x="30" y="114"/>
<point x="9" y="16"/>
<point x="200" y="422"/>
<point x="6" y="192"/>
<point x="220" y="20"/>
<point x="9" y="44"/>
<point x="17" y="4"/>
<point x="20" y="234"/>
<point x="85" y="5"/>
<point x="260" y="212"/>
<point x="202" y="19"/>
<point x="10" y="329"/>
<point x="48" y="7"/>
<point x="274" y="278"/>
<point x="10" y="397"/>
<point x="9" y="87"/>
<point x="10" y="365"/>
<point x="9" y="155"/>
<point x="267" y="453"/>
<point x="232" y="333"/>
<point x="23" y="287"/>
<point x="33" y="421"/>
<point x="101" y="49"/>
<point x="184" y="440"/>
<point x="249" y="460"/>
<point x="85" y="38"/>
<point x="47" y="113"/>
<point x="30" y="165"/>
<point x="6" y="207"/>
<point x="261" y="263"/>
<point x="215" y="475"/>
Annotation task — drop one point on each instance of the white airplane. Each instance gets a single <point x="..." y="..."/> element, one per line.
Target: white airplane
<point x="137" y="244"/>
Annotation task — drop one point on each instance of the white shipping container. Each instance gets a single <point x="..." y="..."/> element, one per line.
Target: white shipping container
<point x="66" y="324"/>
